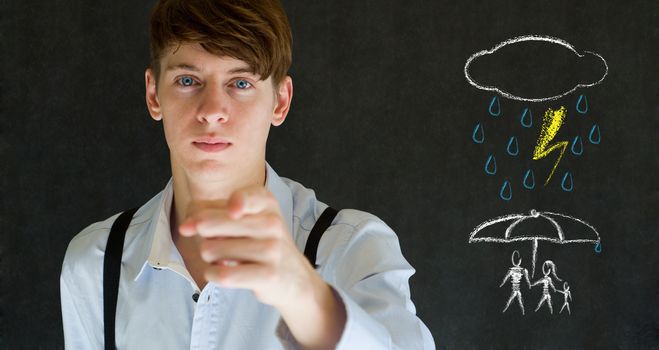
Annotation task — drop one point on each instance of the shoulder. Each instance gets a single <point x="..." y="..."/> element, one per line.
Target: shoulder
<point x="307" y="208"/>
<point x="87" y="247"/>
<point x="88" y="244"/>
<point x="86" y="251"/>
<point x="355" y="236"/>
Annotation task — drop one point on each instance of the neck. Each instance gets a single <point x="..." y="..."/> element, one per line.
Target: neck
<point x="188" y="188"/>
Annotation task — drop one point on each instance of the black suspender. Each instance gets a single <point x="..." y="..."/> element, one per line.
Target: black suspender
<point x="111" y="271"/>
<point x="114" y="251"/>
<point x="324" y="221"/>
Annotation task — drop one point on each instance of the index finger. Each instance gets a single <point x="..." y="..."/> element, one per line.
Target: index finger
<point x="195" y="214"/>
<point x="251" y="200"/>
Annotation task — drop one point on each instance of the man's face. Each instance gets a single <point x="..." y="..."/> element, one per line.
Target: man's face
<point x="203" y="99"/>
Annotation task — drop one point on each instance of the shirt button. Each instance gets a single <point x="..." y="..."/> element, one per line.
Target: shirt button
<point x="195" y="297"/>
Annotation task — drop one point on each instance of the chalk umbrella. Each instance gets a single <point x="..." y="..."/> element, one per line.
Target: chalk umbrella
<point x="535" y="227"/>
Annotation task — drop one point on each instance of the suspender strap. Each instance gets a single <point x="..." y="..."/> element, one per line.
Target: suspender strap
<point x="324" y="221"/>
<point x="111" y="271"/>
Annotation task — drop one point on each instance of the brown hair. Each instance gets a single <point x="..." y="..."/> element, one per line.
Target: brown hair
<point x="254" y="31"/>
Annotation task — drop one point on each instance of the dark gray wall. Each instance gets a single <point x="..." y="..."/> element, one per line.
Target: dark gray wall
<point x="381" y="120"/>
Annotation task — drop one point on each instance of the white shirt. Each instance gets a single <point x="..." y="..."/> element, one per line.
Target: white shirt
<point x="359" y="256"/>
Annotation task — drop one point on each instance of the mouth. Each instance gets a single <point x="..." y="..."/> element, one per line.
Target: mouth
<point x="211" y="146"/>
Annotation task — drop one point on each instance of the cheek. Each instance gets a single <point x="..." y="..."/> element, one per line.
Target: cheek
<point x="174" y="124"/>
<point x="256" y="113"/>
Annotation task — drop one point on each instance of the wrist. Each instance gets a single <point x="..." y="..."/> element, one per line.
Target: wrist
<point x="316" y="319"/>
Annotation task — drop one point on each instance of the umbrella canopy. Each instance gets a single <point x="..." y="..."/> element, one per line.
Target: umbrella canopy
<point x="536" y="226"/>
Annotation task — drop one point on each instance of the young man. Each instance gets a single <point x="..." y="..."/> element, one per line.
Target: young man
<point x="215" y="260"/>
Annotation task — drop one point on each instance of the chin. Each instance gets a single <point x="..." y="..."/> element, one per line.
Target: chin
<point x="210" y="168"/>
<point x="205" y="169"/>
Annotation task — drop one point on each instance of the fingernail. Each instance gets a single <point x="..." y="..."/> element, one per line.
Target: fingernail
<point x="183" y="230"/>
<point x="230" y="263"/>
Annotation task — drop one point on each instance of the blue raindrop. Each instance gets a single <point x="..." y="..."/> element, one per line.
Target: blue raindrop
<point x="582" y="104"/>
<point x="594" y="136"/>
<point x="577" y="146"/>
<point x="513" y="146"/>
<point x="506" y="192"/>
<point x="491" y="165"/>
<point x="526" y="119"/>
<point x="567" y="184"/>
<point x="598" y="247"/>
<point x="529" y="180"/>
<point x="478" y="135"/>
<point x="495" y="107"/>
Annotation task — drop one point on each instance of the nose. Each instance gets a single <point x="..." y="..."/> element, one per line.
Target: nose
<point x="214" y="107"/>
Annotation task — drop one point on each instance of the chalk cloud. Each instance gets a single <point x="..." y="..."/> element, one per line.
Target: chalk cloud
<point x="540" y="38"/>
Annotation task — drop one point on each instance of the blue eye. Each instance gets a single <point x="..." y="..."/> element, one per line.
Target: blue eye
<point x="186" y="81"/>
<point x="242" y="84"/>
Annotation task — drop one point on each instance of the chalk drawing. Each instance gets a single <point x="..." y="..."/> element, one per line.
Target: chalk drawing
<point x="540" y="38"/>
<point x="478" y="135"/>
<point x="582" y="104"/>
<point x="491" y="165"/>
<point x="551" y="123"/>
<point x="548" y="143"/>
<point x="495" y="107"/>
<point x="577" y="146"/>
<point x="513" y="146"/>
<point x="506" y="192"/>
<point x="546" y="281"/>
<point x="567" y="184"/>
<point x="529" y="180"/>
<point x="515" y="274"/>
<point x="526" y="119"/>
<point x="566" y="294"/>
<point x="505" y="227"/>
<point x="594" y="135"/>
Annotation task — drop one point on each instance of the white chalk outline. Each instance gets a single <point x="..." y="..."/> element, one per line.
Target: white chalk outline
<point x="530" y="38"/>
<point x="521" y="217"/>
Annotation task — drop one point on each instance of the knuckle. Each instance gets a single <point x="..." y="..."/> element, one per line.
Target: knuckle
<point x="271" y="221"/>
<point x="207" y="250"/>
<point x="272" y="249"/>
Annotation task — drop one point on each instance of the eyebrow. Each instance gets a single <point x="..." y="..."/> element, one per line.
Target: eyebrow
<point x="182" y="66"/>
<point x="185" y="66"/>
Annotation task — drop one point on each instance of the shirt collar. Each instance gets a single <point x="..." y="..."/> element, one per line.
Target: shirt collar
<point x="157" y="244"/>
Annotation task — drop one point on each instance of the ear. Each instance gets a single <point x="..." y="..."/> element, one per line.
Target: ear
<point x="283" y="100"/>
<point x="152" y="103"/>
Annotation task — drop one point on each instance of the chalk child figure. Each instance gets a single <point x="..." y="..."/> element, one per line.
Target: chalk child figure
<point x="566" y="294"/>
<point x="515" y="274"/>
<point x="546" y="281"/>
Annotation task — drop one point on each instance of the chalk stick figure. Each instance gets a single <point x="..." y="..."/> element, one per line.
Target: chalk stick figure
<point x="515" y="274"/>
<point x="566" y="294"/>
<point x="546" y="281"/>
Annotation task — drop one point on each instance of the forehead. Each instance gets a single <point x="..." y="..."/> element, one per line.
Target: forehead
<point x="193" y="57"/>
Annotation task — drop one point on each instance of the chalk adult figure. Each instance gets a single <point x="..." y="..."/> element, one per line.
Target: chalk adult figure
<point x="548" y="267"/>
<point x="214" y="261"/>
<point x="515" y="274"/>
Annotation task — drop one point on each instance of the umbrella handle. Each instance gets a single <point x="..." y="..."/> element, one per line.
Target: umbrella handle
<point x="534" y="256"/>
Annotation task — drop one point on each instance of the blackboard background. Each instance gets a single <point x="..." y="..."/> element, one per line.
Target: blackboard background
<point x="381" y="121"/>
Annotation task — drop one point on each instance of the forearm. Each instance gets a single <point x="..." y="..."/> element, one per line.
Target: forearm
<point x="317" y="318"/>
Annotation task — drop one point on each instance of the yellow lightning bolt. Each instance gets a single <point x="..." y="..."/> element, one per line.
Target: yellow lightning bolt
<point x="551" y="122"/>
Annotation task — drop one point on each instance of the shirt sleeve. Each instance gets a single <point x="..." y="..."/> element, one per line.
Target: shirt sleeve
<point x="81" y="297"/>
<point x="76" y="335"/>
<point x="370" y="275"/>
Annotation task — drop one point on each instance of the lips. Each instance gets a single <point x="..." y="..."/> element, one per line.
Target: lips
<point x="211" y="140"/>
<point x="211" y="144"/>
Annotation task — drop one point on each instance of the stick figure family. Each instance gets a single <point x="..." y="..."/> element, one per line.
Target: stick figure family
<point x="515" y="274"/>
